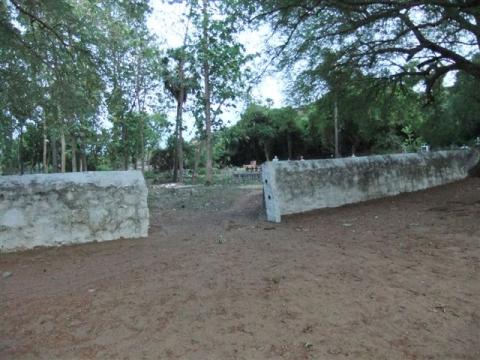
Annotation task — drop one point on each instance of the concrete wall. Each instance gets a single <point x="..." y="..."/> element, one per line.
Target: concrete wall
<point x="298" y="186"/>
<point x="56" y="209"/>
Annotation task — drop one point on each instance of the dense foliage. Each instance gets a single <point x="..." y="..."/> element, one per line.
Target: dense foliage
<point x="86" y="86"/>
<point x="373" y="118"/>
<point x="67" y="68"/>
<point x="391" y="39"/>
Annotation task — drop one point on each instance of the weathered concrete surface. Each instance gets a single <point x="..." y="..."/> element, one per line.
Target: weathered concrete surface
<point x="298" y="186"/>
<point x="57" y="209"/>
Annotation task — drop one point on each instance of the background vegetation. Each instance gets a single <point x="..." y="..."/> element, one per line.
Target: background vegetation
<point x="86" y="86"/>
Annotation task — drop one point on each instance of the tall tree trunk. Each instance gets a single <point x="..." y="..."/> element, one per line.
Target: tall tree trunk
<point x="63" y="145"/>
<point x="206" y="78"/>
<point x="198" y="149"/>
<point x="142" y="142"/>
<point x="180" y="140"/>
<point x="34" y="167"/>
<point x="9" y="161"/>
<point x="142" y="127"/>
<point x="138" y="85"/>
<point x="63" y="151"/>
<point x="83" y="158"/>
<point x="20" y="150"/>
<point x="74" y="154"/>
<point x="178" y="155"/>
<point x="53" y="145"/>
<point x="180" y="99"/>
<point x="175" y="157"/>
<point x="266" y="151"/>
<point x="45" y="141"/>
<point x="124" y="144"/>
<point x="289" y="146"/>
<point x="335" y="119"/>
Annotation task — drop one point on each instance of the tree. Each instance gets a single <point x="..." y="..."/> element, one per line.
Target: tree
<point x="388" y="38"/>
<point x="287" y="123"/>
<point x="454" y="118"/>
<point x="131" y="69"/>
<point x="257" y="124"/>
<point x="222" y="63"/>
<point x="464" y="107"/>
<point x="179" y="83"/>
<point x="60" y="63"/>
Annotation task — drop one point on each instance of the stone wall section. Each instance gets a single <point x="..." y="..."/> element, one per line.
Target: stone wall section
<point x="298" y="186"/>
<point x="71" y="208"/>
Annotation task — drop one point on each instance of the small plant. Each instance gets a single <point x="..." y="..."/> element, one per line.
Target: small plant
<point x="411" y="142"/>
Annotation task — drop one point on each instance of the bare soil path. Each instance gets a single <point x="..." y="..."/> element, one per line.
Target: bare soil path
<point x="397" y="278"/>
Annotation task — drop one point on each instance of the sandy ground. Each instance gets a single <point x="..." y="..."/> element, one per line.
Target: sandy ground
<point x="397" y="278"/>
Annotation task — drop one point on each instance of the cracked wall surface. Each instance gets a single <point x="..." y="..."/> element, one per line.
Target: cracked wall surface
<point x="298" y="186"/>
<point x="71" y="208"/>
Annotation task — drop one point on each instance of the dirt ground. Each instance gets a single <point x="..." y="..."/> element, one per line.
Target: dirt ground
<point x="397" y="278"/>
